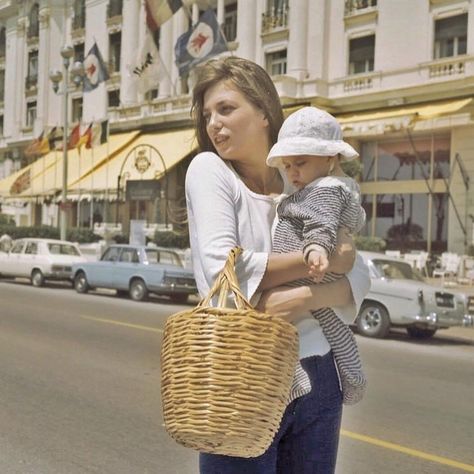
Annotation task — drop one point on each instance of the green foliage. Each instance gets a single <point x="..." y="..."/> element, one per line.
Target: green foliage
<point x="81" y="235"/>
<point x="171" y="239"/>
<point x="372" y="244"/>
<point x="121" y="239"/>
<point x="352" y="168"/>
<point x="405" y="232"/>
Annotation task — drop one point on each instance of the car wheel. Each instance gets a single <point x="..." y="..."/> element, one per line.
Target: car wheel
<point x="421" y="333"/>
<point x="373" y="320"/>
<point x="179" y="298"/>
<point x="80" y="283"/>
<point x="37" y="278"/>
<point x="138" y="290"/>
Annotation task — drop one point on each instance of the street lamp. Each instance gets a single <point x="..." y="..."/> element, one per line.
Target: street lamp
<point x="56" y="76"/>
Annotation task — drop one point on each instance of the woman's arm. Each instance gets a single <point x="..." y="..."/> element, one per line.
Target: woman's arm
<point x="283" y="268"/>
<point x="292" y="303"/>
<point x="344" y="296"/>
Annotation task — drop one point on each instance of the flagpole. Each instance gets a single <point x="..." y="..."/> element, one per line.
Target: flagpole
<point x="92" y="190"/>
<point x="106" y="207"/>
<point x="78" y="223"/>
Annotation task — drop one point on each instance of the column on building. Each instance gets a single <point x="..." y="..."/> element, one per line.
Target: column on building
<point x="180" y="26"/>
<point x="247" y="28"/>
<point x="317" y="39"/>
<point x="130" y="50"/>
<point x="220" y="11"/>
<point x="96" y="102"/>
<point x="43" y="68"/>
<point x="298" y="41"/>
<point x="11" y="125"/>
<point x="166" y="52"/>
<point x="17" y="77"/>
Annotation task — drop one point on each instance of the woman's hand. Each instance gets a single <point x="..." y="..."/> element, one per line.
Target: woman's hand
<point x="343" y="257"/>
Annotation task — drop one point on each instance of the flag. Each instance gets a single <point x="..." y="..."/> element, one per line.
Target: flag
<point x="55" y="137"/>
<point x="74" y="137"/>
<point x="160" y="11"/>
<point x="200" y="43"/>
<point x="99" y="134"/>
<point x="39" y="146"/>
<point x="84" y="138"/>
<point x="148" y="70"/>
<point x="94" y="68"/>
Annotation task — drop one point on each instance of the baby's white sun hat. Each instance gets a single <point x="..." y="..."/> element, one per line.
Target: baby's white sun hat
<point x="310" y="131"/>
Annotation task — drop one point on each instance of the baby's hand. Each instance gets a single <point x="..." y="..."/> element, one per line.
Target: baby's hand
<point x="318" y="264"/>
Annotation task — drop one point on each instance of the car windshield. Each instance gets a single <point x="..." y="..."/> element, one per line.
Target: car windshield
<point x="163" y="257"/>
<point x="62" y="249"/>
<point x="396" y="270"/>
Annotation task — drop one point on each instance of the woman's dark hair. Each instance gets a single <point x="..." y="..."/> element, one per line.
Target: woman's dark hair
<point x="247" y="77"/>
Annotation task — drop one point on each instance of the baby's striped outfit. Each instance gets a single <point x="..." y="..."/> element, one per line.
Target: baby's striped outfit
<point x="311" y="217"/>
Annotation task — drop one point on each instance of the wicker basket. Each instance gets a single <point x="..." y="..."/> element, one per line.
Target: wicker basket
<point x="226" y="372"/>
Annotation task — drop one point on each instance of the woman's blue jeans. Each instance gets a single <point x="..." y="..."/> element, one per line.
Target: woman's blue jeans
<point x="307" y="440"/>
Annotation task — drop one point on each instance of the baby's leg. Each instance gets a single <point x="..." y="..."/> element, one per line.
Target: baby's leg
<point x="346" y="355"/>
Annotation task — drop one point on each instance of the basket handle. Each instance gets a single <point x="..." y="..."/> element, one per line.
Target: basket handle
<point x="227" y="281"/>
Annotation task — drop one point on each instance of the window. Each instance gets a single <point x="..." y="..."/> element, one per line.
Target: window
<point x="114" y="8"/>
<point x="129" y="255"/>
<point x="1" y="125"/>
<point x="361" y="54"/>
<point x="114" y="98"/>
<point x="115" y="45"/>
<point x="62" y="249"/>
<point x="2" y="85"/>
<point x="352" y="6"/>
<point x="276" y="62"/>
<point x="111" y="254"/>
<point x="33" y="28"/>
<point x="230" y="21"/>
<point x="3" y="42"/>
<point x="31" y="248"/>
<point x="79" y="19"/>
<point x="277" y="6"/>
<point x="79" y="52"/>
<point x="32" y="77"/>
<point x="77" y="109"/>
<point x="30" y="113"/>
<point x="17" y="247"/>
<point x="450" y="36"/>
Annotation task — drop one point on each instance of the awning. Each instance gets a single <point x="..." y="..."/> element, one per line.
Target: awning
<point x="44" y="176"/>
<point x="149" y="156"/>
<point x="397" y="118"/>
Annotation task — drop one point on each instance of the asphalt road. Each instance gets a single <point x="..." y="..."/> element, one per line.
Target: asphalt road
<point x="79" y="393"/>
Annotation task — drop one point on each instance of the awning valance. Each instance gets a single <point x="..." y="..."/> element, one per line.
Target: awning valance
<point x="138" y="160"/>
<point x="397" y="118"/>
<point x="44" y="176"/>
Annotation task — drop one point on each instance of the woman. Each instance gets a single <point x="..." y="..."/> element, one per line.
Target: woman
<point x="231" y="197"/>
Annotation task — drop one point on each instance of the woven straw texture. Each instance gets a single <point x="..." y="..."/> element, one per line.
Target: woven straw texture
<point x="226" y="372"/>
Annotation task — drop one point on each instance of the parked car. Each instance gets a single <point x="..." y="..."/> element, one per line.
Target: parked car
<point x="40" y="260"/>
<point x="138" y="271"/>
<point x="400" y="297"/>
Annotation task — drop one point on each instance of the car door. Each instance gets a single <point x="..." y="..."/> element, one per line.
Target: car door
<point x="101" y="273"/>
<point x="12" y="260"/>
<point x="28" y="259"/>
<point x="127" y="266"/>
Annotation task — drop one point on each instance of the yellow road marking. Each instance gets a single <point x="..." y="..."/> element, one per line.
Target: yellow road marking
<point x="349" y="434"/>
<point x="119" y="323"/>
<point x="409" y="451"/>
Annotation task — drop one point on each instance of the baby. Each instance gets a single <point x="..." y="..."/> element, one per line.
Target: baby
<point x="308" y="149"/>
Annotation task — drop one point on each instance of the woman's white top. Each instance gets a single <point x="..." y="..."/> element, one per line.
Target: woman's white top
<point x="223" y="213"/>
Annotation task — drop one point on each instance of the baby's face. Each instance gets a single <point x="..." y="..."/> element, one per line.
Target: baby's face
<point x="302" y="169"/>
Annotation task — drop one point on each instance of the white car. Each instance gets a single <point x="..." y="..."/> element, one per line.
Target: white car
<point x="400" y="297"/>
<point x="40" y="260"/>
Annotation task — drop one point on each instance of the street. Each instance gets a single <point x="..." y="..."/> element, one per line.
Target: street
<point x="80" y="392"/>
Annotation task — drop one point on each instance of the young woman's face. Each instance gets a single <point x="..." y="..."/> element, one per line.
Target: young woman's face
<point x="302" y="169"/>
<point x="237" y="129"/>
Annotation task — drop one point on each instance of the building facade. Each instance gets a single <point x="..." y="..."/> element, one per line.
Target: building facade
<point x="401" y="85"/>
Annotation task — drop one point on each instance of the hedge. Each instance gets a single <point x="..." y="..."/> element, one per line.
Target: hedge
<point x="372" y="244"/>
<point x="82" y="235"/>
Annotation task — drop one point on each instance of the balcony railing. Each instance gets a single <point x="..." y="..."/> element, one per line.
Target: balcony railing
<point x="352" y="7"/>
<point x="31" y="81"/>
<point x="447" y="68"/>
<point x="275" y="18"/>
